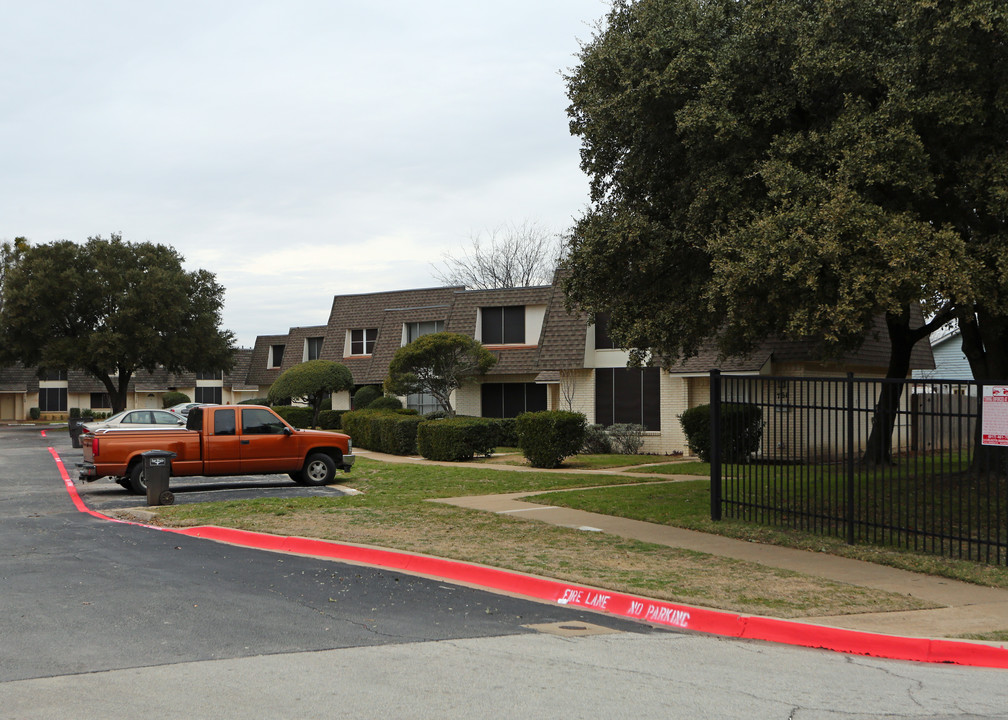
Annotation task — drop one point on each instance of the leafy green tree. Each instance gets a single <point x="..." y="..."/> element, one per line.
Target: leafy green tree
<point x="311" y="382"/>
<point x="110" y="308"/>
<point x="438" y="364"/>
<point x="795" y="168"/>
<point x="10" y="253"/>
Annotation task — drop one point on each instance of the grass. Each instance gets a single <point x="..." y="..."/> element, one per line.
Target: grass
<point x="393" y="512"/>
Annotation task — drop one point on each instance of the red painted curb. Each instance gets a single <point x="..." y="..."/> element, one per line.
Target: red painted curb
<point x="629" y="606"/>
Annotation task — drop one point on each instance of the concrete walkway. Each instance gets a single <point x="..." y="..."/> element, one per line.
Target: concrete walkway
<point x="965" y="608"/>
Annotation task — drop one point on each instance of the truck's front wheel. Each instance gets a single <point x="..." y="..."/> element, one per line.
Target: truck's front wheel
<point x="136" y="479"/>
<point x="319" y="469"/>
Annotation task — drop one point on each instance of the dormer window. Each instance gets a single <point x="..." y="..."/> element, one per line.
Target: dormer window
<point x="313" y="348"/>
<point x="276" y="353"/>
<point x="412" y="331"/>
<point x="362" y="341"/>
<point x="502" y="325"/>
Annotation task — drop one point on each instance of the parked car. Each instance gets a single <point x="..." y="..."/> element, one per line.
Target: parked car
<point x="184" y="408"/>
<point x="136" y="419"/>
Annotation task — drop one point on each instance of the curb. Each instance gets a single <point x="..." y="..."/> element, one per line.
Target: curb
<point x="630" y="607"/>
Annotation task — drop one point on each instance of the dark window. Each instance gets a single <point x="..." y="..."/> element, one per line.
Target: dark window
<point x="101" y="400"/>
<point x="628" y="395"/>
<point x="224" y="422"/>
<point x="256" y="421"/>
<point x="602" y="339"/>
<point x="53" y="399"/>
<point x="313" y="348"/>
<point x="503" y="325"/>
<point x="507" y="400"/>
<point x="213" y="395"/>
<point x="276" y="356"/>
<point x="52" y="375"/>
<point x="210" y="375"/>
<point x="362" y="341"/>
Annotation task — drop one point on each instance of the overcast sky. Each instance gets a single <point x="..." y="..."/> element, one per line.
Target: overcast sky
<point x="298" y="149"/>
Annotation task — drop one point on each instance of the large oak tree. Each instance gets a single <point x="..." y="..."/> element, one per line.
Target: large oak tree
<point x="795" y="168"/>
<point x="111" y="308"/>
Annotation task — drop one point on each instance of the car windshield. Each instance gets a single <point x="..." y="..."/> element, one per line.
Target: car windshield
<point x="115" y="418"/>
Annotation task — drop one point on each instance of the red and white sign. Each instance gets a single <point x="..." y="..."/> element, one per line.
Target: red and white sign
<point x="995" y="415"/>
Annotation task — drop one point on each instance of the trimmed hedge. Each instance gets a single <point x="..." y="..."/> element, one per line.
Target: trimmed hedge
<point x="174" y="397"/>
<point x="457" y="439"/>
<point x="547" y="437"/>
<point x="365" y="395"/>
<point x="299" y="417"/>
<point x="741" y="431"/>
<point x="330" y="419"/>
<point x="387" y="431"/>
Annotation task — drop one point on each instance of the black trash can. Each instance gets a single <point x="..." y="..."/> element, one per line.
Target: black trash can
<point x="157" y="470"/>
<point x="76" y="427"/>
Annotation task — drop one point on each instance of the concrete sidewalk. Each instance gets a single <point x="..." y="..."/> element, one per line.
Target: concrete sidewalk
<point x="965" y="608"/>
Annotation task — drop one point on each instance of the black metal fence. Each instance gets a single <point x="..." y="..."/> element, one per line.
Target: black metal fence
<point x="887" y="462"/>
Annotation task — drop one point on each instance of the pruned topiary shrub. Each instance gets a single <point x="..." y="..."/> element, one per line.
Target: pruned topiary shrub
<point x="365" y="395"/>
<point x="741" y="431"/>
<point x="385" y="402"/>
<point x="456" y="439"/>
<point x="547" y="437"/>
<point x="392" y="432"/>
<point x="627" y="438"/>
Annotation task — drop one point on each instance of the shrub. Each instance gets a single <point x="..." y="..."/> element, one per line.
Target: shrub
<point x="393" y="432"/>
<point x="365" y="395"/>
<point x="627" y="438"/>
<point x="597" y="441"/>
<point x="75" y="413"/>
<point x="330" y="419"/>
<point x="507" y="433"/>
<point x="299" y="417"/>
<point x="255" y="401"/>
<point x="547" y="437"/>
<point x="174" y="397"/>
<point x="456" y="439"/>
<point x="741" y="431"/>
<point x="34" y="413"/>
<point x="386" y="402"/>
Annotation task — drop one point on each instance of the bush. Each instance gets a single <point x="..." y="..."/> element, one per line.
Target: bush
<point x="507" y="432"/>
<point x="547" y="437"/>
<point x="174" y="397"/>
<point x="299" y="417"/>
<point x="393" y="432"/>
<point x="34" y="413"/>
<point x="386" y="402"/>
<point x="741" y="431"/>
<point x="255" y="401"/>
<point x="456" y="439"/>
<point x="330" y="419"/>
<point x="627" y="438"/>
<point x="365" y="395"/>
<point x="597" y="441"/>
<point x="74" y="413"/>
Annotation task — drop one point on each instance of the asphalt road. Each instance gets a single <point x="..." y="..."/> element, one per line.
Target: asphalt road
<point x="103" y="619"/>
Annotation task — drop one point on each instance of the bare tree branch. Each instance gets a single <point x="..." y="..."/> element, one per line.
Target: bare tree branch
<point x="515" y="255"/>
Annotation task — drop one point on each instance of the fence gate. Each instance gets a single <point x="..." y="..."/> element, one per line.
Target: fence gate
<point x="886" y="462"/>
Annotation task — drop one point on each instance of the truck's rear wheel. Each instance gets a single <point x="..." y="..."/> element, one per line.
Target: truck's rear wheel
<point x="319" y="469"/>
<point x="136" y="479"/>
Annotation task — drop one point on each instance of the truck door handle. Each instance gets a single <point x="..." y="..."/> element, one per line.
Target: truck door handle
<point x="244" y="442"/>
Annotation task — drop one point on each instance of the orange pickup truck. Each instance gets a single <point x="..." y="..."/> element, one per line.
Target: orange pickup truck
<point x="220" y="440"/>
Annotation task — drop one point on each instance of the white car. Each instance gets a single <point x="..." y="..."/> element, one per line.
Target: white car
<point x="184" y="408"/>
<point x="136" y="420"/>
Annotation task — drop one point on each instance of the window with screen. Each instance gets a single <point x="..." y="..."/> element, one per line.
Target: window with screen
<point x="212" y="395"/>
<point x="628" y="395"/>
<point x="508" y="400"/>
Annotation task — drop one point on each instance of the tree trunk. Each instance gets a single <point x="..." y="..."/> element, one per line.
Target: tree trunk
<point x="985" y="345"/>
<point x="901" y="341"/>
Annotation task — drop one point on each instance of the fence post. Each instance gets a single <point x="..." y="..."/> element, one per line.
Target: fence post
<point x="715" y="444"/>
<point x="850" y="458"/>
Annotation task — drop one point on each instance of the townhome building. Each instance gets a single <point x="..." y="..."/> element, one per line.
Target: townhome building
<point x="548" y="358"/>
